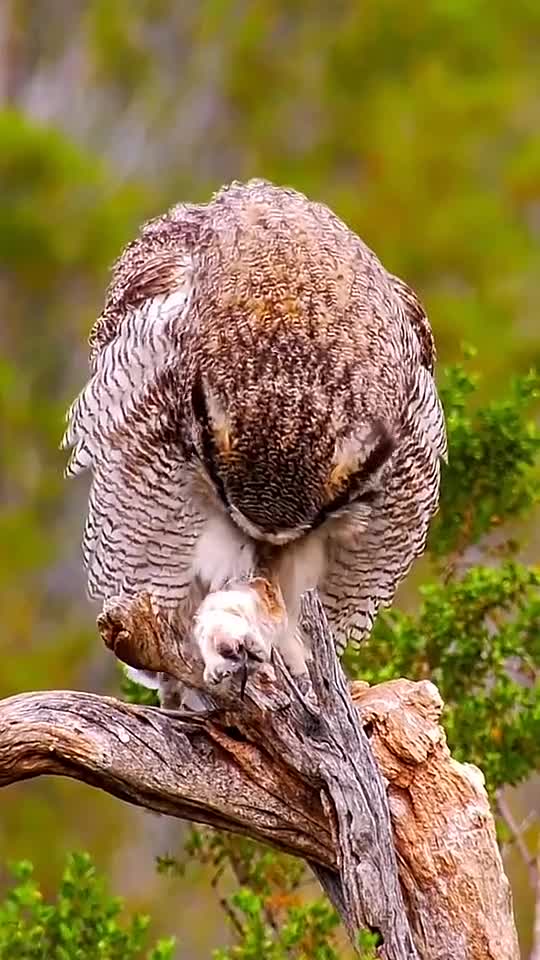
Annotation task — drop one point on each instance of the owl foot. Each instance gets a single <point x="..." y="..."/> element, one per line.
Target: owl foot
<point x="171" y="692"/>
<point x="229" y="636"/>
<point x="302" y="687"/>
<point x="231" y="649"/>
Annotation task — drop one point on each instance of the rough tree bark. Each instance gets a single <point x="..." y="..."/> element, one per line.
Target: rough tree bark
<point x="362" y="786"/>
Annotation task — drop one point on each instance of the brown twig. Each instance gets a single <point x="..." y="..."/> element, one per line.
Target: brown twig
<point x="535" y="952"/>
<point x="516" y="832"/>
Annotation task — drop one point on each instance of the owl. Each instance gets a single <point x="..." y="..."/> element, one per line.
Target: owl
<point x="261" y="420"/>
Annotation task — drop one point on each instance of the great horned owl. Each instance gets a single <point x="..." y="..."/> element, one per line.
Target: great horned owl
<point x="261" y="410"/>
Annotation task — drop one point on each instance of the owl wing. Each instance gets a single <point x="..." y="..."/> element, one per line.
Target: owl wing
<point x="363" y="575"/>
<point x="141" y="525"/>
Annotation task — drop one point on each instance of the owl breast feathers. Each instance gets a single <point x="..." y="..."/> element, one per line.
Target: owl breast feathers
<point x="261" y="405"/>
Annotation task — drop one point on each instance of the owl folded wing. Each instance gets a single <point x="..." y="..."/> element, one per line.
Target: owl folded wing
<point x="141" y="524"/>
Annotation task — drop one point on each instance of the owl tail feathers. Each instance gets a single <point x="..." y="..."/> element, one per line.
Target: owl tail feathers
<point x="145" y="678"/>
<point x="172" y="693"/>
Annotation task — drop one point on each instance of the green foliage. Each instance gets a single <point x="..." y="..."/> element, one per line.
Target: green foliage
<point x="262" y="870"/>
<point x="304" y="933"/>
<point x="268" y="913"/>
<point x="135" y="693"/>
<point x="42" y="170"/>
<point x="367" y="945"/>
<point x="491" y="477"/>
<point x="83" y="922"/>
<point x="478" y="640"/>
<point x="63" y="218"/>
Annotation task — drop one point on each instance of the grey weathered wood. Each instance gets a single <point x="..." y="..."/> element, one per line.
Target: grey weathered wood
<point x="182" y="768"/>
<point x="299" y="776"/>
<point x="368" y="875"/>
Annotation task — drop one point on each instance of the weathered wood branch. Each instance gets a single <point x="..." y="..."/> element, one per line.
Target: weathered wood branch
<point x="300" y="778"/>
<point x="183" y="768"/>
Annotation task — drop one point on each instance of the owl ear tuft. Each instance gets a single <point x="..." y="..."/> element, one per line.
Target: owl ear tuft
<point x="361" y="455"/>
<point x="220" y="423"/>
<point x="213" y="419"/>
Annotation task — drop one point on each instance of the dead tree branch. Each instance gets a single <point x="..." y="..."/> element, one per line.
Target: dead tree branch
<point x="300" y="778"/>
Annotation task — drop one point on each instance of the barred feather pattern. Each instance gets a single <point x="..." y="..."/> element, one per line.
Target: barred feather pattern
<point x="142" y="523"/>
<point x="254" y="349"/>
<point x="363" y="576"/>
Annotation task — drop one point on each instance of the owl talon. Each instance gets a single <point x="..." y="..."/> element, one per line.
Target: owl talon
<point x="221" y="665"/>
<point x="228" y="638"/>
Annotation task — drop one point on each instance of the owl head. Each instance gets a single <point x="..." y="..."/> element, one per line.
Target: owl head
<point x="291" y="467"/>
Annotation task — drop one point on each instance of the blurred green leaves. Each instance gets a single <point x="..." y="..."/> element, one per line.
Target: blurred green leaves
<point x="64" y="216"/>
<point x="478" y="639"/>
<point x="304" y="933"/>
<point x="61" y="209"/>
<point x="492" y="475"/>
<point x="83" y="922"/>
<point x="269" y="913"/>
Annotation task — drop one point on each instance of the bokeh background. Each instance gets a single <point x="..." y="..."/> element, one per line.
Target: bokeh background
<point x="419" y="123"/>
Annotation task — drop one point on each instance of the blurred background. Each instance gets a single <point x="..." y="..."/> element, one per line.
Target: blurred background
<point x="419" y="123"/>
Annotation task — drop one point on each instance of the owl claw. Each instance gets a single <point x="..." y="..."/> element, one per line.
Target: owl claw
<point x="225" y="659"/>
<point x="228" y="638"/>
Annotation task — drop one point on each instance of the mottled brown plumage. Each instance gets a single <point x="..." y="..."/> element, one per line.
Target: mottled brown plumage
<point x="262" y="401"/>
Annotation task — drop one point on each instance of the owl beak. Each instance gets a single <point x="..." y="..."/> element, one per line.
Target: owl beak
<point x="277" y="537"/>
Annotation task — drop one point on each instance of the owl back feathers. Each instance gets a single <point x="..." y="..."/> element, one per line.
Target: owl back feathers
<point x="267" y="310"/>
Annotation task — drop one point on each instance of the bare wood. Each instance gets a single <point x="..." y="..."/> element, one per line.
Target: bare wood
<point x="458" y="897"/>
<point x="179" y="767"/>
<point x="285" y="774"/>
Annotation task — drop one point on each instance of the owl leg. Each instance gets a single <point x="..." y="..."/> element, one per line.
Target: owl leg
<point x="171" y="692"/>
<point x="237" y="627"/>
<point x="296" y="654"/>
<point x="293" y="649"/>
